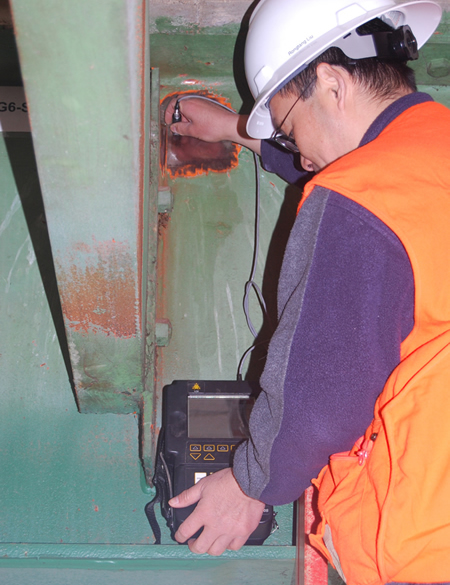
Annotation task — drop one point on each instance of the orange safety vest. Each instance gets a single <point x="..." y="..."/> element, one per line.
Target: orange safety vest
<point x="387" y="501"/>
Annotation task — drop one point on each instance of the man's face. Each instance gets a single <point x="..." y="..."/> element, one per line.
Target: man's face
<point x="313" y="126"/>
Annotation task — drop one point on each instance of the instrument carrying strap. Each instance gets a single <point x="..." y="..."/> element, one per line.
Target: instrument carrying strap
<point x="164" y="492"/>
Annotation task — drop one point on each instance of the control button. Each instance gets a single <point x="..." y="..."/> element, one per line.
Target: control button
<point x="232" y="447"/>
<point x="195" y="456"/>
<point x="208" y="457"/>
<point x="209" y="448"/>
<point x="222" y="448"/>
<point x="195" y="447"/>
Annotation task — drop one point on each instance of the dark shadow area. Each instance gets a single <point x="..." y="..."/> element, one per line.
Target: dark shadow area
<point x="333" y="576"/>
<point x="9" y="59"/>
<point x="238" y="62"/>
<point x="294" y="522"/>
<point x="283" y="226"/>
<point x="23" y="164"/>
<point x="274" y="260"/>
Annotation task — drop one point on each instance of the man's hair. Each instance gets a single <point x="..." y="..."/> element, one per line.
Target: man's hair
<point x="381" y="78"/>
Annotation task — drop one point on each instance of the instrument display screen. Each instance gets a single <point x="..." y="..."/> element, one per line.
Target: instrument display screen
<point x="218" y="416"/>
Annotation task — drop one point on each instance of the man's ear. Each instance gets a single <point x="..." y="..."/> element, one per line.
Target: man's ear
<point x="333" y="83"/>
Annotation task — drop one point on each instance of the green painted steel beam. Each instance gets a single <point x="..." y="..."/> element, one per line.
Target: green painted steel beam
<point x="144" y="553"/>
<point x="148" y="435"/>
<point x="85" y="68"/>
<point x="199" y="572"/>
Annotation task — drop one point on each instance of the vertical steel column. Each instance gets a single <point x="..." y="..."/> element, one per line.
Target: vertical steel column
<point x="148" y="434"/>
<point x="85" y="67"/>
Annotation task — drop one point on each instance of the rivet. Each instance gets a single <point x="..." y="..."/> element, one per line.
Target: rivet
<point x="163" y="332"/>
<point x="165" y="200"/>
<point x="438" y="67"/>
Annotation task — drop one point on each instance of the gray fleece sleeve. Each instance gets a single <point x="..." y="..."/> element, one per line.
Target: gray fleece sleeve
<point x="252" y="458"/>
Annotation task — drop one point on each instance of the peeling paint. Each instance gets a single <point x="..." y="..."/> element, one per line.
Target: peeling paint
<point x="188" y="157"/>
<point x="99" y="295"/>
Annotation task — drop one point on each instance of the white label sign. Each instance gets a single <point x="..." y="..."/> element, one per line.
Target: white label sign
<point x="198" y="476"/>
<point x="13" y="110"/>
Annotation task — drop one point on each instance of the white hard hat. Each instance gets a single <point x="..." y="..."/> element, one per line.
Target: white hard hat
<point x="285" y="35"/>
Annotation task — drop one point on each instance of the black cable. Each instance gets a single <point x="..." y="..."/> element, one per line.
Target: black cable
<point x="250" y="284"/>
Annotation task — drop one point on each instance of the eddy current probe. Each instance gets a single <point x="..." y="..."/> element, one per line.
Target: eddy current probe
<point x="176" y="116"/>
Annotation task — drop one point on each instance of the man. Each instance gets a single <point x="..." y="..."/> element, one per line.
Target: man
<point x="364" y="292"/>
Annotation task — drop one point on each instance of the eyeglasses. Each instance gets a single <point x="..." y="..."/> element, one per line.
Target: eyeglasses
<point x="280" y="137"/>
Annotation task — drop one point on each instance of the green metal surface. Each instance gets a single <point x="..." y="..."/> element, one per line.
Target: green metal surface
<point x="96" y="555"/>
<point x="433" y="66"/>
<point x="165" y="25"/>
<point x="149" y="397"/>
<point x="66" y="478"/>
<point x="201" y="571"/>
<point x="86" y="81"/>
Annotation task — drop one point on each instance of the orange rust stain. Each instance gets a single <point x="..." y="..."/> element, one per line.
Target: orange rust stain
<point x="163" y="222"/>
<point x="81" y="247"/>
<point x="190" y="157"/>
<point x="98" y="289"/>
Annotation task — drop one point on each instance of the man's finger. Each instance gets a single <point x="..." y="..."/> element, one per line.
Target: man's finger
<point x="188" y="497"/>
<point x="187" y="530"/>
<point x="209" y="542"/>
<point x="213" y="547"/>
<point x="219" y="546"/>
<point x="237" y="543"/>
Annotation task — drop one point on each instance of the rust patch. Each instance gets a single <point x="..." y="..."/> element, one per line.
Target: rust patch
<point x="183" y="156"/>
<point x="97" y="289"/>
<point x="163" y="221"/>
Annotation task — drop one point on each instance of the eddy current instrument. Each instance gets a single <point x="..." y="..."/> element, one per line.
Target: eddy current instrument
<point x="203" y="422"/>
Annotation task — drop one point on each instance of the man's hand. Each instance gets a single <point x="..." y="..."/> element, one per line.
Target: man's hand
<point x="202" y="119"/>
<point x="210" y="122"/>
<point x="227" y="514"/>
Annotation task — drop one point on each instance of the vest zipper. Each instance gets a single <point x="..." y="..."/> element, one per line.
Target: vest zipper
<point x="366" y="448"/>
